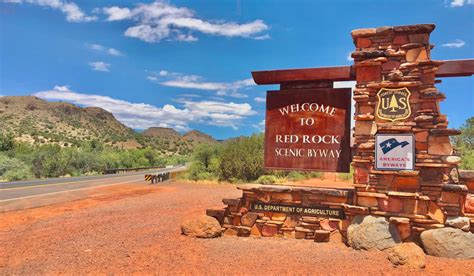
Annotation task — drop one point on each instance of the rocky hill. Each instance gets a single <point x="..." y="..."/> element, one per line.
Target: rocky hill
<point x="163" y="132"/>
<point x="197" y="136"/>
<point x="36" y="121"/>
<point x="173" y="141"/>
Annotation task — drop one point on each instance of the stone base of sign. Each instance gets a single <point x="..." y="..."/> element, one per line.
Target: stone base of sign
<point x="239" y="218"/>
<point x="411" y="212"/>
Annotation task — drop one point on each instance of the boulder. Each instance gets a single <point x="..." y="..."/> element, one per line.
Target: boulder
<point x="448" y="242"/>
<point x="408" y="255"/>
<point x="369" y="232"/>
<point x="462" y="223"/>
<point x="201" y="227"/>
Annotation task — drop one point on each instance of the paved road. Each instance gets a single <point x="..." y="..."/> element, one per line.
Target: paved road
<point x="35" y="193"/>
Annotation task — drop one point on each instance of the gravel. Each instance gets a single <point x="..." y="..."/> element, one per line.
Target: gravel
<point x="136" y="229"/>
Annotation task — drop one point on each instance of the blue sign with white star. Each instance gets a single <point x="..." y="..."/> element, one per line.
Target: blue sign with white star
<point x="391" y="144"/>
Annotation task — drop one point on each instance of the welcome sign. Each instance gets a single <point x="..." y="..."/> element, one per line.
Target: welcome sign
<point x="308" y="129"/>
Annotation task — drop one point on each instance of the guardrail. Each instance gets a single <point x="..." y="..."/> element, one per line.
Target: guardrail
<point x="125" y="170"/>
<point x="155" y="178"/>
<point x="166" y="175"/>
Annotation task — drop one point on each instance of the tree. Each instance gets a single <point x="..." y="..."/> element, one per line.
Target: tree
<point x="393" y="103"/>
<point x="464" y="143"/>
<point x="204" y="153"/>
<point x="242" y="160"/>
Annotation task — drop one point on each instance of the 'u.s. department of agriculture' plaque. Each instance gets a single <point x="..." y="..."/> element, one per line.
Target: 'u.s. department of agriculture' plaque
<point x="308" y="129"/>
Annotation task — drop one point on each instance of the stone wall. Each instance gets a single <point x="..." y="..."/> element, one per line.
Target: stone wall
<point x="399" y="57"/>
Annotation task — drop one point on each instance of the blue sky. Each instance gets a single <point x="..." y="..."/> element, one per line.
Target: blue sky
<point x="187" y="64"/>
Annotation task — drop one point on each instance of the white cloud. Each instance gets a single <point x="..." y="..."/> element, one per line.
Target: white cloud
<point x="259" y="99"/>
<point x="262" y="37"/>
<point x="260" y="126"/>
<point x="190" y="96"/>
<point x="141" y="115"/>
<point x="116" y="13"/>
<point x="114" y="52"/>
<point x="70" y="9"/>
<point x="96" y="47"/>
<point x="64" y="88"/>
<point x="349" y="57"/>
<point x="101" y="48"/>
<point x="161" y="20"/>
<point x="172" y="79"/>
<point x="460" y="3"/>
<point x="458" y="43"/>
<point x="100" y="66"/>
<point x="152" y="78"/>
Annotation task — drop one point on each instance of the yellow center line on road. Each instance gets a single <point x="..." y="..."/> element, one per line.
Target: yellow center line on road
<point x="67" y="191"/>
<point x="62" y="183"/>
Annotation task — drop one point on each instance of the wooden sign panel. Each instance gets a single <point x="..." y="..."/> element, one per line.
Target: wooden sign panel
<point x="308" y="129"/>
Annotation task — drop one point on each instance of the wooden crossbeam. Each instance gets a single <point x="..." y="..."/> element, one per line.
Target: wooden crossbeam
<point x="450" y="68"/>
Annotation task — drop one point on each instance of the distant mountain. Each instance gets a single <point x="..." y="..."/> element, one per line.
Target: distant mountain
<point x="36" y="121"/>
<point x="163" y="132"/>
<point x="173" y="141"/>
<point x="197" y="136"/>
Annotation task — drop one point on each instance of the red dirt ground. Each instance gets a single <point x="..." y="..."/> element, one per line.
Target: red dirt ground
<point x="136" y="229"/>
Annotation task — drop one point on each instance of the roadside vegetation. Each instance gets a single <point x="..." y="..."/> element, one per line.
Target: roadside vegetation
<point x="20" y="161"/>
<point x="237" y="161"/>
<point x="240" y="161"/>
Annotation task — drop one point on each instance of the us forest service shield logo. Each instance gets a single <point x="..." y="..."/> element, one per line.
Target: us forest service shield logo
<point x="393" y="104"/>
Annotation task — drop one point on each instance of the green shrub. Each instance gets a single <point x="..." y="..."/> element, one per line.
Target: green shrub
<point x="315" y="175"/>
<point x="6" y="142"/>
<point x="295" y="176"/>
<point x="242" y="159"/>
<point x="12" y="169"/>
<point x="197" y="172"/>
<point x="267" y="179"/>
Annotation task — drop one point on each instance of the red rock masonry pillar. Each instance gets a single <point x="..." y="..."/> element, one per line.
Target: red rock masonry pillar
<point x="398" y="57"/>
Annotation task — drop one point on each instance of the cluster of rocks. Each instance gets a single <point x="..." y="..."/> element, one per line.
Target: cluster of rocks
<point x="399" y="57"/>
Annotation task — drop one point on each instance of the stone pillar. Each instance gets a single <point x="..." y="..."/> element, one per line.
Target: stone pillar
<point x="400" y="57"/>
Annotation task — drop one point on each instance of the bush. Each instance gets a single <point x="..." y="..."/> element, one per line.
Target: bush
<point x="315" y="175"/>
<point x="6" y="142"/>
<point x="295" y="176"/>
<point x="267" y="179"/>
<point x="12" y="169"/>
<point x="204" y="162"/>
<point x="242" y="159"/>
